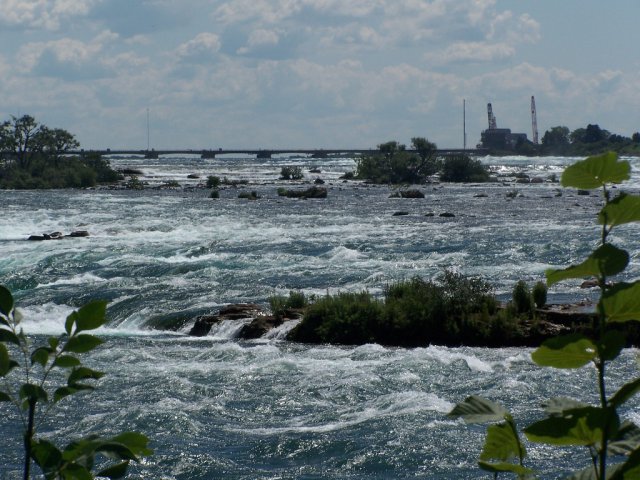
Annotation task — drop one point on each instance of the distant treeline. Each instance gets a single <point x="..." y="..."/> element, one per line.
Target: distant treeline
<point x="34" y="156"/>
<point x="591" y="140"/>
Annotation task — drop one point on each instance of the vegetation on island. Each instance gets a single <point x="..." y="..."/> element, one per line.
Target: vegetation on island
<point x="36" y="378"/>
<point x="34" y="156"/>
<point x="394" y="164"/>
<point x="612" y="443"/>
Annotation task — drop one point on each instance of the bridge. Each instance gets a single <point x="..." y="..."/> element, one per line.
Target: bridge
<point x="268" y="153"/>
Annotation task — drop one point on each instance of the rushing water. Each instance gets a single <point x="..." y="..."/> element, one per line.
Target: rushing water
<point x="215" y="407"/>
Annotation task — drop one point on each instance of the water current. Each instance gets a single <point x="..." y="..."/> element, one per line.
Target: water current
<point x="215" y="407"/>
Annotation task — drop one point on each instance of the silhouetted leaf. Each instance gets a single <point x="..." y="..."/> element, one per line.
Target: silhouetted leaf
<point x="589" y="473"/>
<point x="566" y="351"/>
<point x="4" y="397"/>
<point x="558" y="405"/>
<point x="611" y="344"/>
<point x="66" y="361"/>
<point x="46" y="455"/>
<point x="33" y="392"/>
<point x="116" y="471"/>
<point x="40" y="355"/>
<point x="606" y="260"/>
<point x="622" y="302"/>
<point x="479" y="410"/>
<point x="83" y="373"/>
<point x="6" y="301"/>
<point x="81" y="343"/>
<point x="622" y="209"/>
<point x="53" y="343"/>
<point x="629" y="470"/>
<point x="75" y="471"/>
<point x="625" y="393"/>
<point x="626" y="440"/>
<point x="8" y="336"/>
<point x="596" y="171"/>
<point x="70" y="321"/>
<point x="91" y="315"/>
<point x="63" y="392"/>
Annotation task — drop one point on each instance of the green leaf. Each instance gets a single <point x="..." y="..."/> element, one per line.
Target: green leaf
<point x="625" y="393"/>
<point x="116" y="471"/>
<point x="91" y="316"/>
<point x="580" y="426"/>
<point x="63" y="392"/>
<point x="116" y="450"/>
<point x="589" y="473"/>
<point x="4" y="397"/>
<point x="135" y="441"/>
<point x="594" y="172"/>
<point x="5" y="360"/>
<point x="40" y="355"/>
<point x="81" y="343"/>
<point x="476" y="409"/>
<point x="71" y="319"/>
<point x="557" y="406"/>
<point x="566" y="351"/>
<point x="611" y="344"/>
<point x="622" y="209"/>
<point x="605" y="260"/>
<point x="33" y="392"/>
<point x="501" y="443"/>
<point x="53" y="343"/>
<point x="66" y="361"/>
<point x="8" y="336"/>
<point x="75" y="471"/>
<point x="621" y="302"/>
<point x="46" y="455"/>
<point x="626" y="440"/>
<point x="83" y="373"/>
<point x="6" y="301"/>
<point x="505" y="467"/>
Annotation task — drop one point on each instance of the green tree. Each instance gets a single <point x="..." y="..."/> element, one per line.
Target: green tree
<point x="556" y="137"/>
<point x="29" y="383"/>
<point x="18" y="139"/>
<point x="55" y="142"/>
<point x="569" y="422"/>
<point x="463" y="168"/>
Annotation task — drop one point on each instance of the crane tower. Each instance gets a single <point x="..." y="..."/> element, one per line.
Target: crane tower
<point x="534" y="120"/>
<point x="492" y="118"/>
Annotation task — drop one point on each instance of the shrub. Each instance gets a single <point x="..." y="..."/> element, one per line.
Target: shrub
<point x="214" y="194"/>
<point x="291" y="173"/>
<point x="521" y="297"/>
<point x="539" y="294"/>
<point x="213" y="181"/>
<point x="462" y="168"/>
<point x="279" y="304"/>
<point x="253" y="195"/>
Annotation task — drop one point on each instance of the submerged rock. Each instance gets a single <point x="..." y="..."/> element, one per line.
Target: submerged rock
<point x="407" y="194"/>
<point x="237" y="311"/>
<point x="447" y="215"/>
<point x="58" y="235"/>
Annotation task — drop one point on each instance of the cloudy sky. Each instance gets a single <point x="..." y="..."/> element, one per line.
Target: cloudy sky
<point x="316" y="73"/>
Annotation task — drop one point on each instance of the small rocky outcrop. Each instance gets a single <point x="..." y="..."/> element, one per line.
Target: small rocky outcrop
<point x="318" y="181"/>
<point x="312" y="192"/>
<point x="193" y="176"/>
<point x="58" y="235"/>
<point x="407" y="194"/>
<point x="447" y="215"/>
<point x="237" y="311"/>
<point x="400" y="214"/>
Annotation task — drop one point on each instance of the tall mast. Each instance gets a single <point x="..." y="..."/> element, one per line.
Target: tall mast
<point x="534" y="120"/>
<point x="147" y="128"/>
<point x="464" y="124"/>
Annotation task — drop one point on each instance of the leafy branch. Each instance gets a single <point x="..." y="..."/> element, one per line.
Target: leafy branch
<point x="599" y="428"/>
<point x="31" y="391"/>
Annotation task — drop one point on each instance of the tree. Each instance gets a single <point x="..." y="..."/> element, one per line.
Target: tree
<point x="462" y="168"/>
<point x="556" y="137"/>
<point x="54" y="142"/>
<point x="594" y="134"/>
<point x="17" y="139"/>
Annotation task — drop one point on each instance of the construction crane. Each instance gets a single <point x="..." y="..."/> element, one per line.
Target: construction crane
<point x="534" y="120"/>
<point x="492" y="117"/>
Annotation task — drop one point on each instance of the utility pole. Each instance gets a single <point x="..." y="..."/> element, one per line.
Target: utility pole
<point x="147" y="129"/>
<point x="534" y="120"/>
<point x="464" y="124"/>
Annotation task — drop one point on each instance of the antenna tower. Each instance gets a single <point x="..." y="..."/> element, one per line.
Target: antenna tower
<point x="534" y="120"/>
<point x="492" y="118"/>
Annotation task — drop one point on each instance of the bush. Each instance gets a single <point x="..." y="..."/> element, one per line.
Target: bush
<point x="539" y="294"/>
<point x="521" y="297"/>
<point x="213" y="181"/>
<point x="214" y="194"/>
<point x="291" y="173"/>
<point x="462" y="168"/>
<point x="279" y="304"/>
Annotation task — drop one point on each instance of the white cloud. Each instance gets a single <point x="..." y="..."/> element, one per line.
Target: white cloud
<point x="204" y="44"/>
<point x="472" y="52"/>
<point x="47" y="14"/>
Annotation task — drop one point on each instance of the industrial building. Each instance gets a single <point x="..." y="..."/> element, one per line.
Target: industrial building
<point x="495" y="138"/>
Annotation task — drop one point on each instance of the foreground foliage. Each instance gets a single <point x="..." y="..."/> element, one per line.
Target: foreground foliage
<point x="31" y="383"/>
<point x="573" y="423"/>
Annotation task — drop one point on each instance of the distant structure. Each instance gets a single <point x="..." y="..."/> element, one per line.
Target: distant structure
<point x="495" y="138"/>
<point x="534" y="121"/>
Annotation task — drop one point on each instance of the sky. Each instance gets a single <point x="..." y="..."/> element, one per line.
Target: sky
<point x="316" y="73"/>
